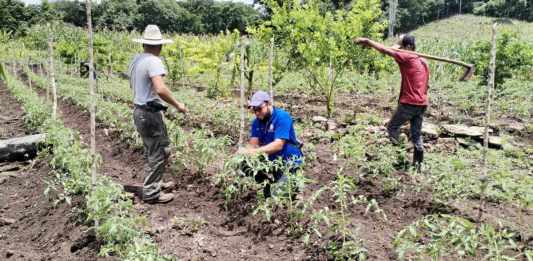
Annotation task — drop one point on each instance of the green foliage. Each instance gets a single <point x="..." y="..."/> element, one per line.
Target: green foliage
<point x="444" y="236"/>
<point x="321" y="42"/>
<point x="514" y="58"/>
<point x="171" y="17"/>
<point x="107" y="205"/>
<point x="116" y="14"/>
<point x="234" y="183"/>
<point x="457" y="176"/>
<point x="216" y="17"/>
<point x="14" y="15"/>
<point x="196" y="151"/>
<point x="518" y="9"/>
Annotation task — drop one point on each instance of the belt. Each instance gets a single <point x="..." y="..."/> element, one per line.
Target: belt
<point x="151" y="107"/>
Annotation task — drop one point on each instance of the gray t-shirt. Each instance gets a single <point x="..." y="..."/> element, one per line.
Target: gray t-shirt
<point x="141" y="69"/>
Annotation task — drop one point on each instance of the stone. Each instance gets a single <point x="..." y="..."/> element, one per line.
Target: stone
<point x="331" y="125"/>
<point x="516" y="127"/>
<point x="431" y="130"/>
<point x="319" y="119"/>
<point x="496" y="141"/>
<point x="463" y="130"/>
<point x="510" y="125"/>
<point x="464" y="142"/>
<point x="6" y="221"/>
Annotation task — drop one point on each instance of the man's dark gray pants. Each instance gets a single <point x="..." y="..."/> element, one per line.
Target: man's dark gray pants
<point x="153" y="132"/>
<point x="412" y="113"/>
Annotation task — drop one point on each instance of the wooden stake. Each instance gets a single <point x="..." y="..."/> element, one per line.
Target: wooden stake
<point x="241" y="132"/>
<point x="31" y="69"/>
<point x="490" y="87"/>
<point x="92" y="106"/>
<point x="270" y="61"/>
<point x="392" y="16"/>
<point x="52" y="78"/>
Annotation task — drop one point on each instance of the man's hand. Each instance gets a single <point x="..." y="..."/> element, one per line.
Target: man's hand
<point x="181" y="108"/>
<point x="171" y="114"/>
<point x="246" y="151"/>
<point x="362" y="41"/>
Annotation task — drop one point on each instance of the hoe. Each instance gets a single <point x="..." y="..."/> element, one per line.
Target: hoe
<point x="469" y="68"/>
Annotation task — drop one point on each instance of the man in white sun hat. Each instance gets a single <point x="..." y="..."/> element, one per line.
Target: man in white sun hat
<point x="146" y="73"/>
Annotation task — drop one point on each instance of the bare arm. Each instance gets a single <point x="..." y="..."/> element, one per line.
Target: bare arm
<point x="378" y="46"/>
<point x="273" y="147"/>
<point x="162" y="90"/>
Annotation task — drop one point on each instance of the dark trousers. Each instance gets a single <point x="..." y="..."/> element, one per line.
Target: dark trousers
<point x="275" y="175"/>
<point x="151" y="128"/>
<point x="412" y="113"/>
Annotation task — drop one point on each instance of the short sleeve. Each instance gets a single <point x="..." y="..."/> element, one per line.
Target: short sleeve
<point x="254" y="131"/>
<point x="399" y="57"/>
<point x="282" y="128"/>
<point x="156" y="67"/>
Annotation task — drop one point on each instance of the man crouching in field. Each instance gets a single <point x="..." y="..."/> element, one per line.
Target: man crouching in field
<point x="146" y="73"/>
<point x="413" y="93"/>
<point x="273" y="133"/>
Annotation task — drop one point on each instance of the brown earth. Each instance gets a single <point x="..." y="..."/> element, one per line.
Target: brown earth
<point x="31" y="226"/>
<point x="234" y="235"/>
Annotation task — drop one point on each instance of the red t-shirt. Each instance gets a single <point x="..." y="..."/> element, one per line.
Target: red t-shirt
<point x="415" y="78"/>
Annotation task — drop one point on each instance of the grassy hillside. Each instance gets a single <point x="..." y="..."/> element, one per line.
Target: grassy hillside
<point x="470" y="28"/>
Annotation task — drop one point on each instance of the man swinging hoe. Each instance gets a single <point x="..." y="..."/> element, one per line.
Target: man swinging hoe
<point x="413" y="100"/>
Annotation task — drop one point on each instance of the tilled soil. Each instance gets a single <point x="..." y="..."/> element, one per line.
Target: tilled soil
<point x="223" y="236"/>
<point x="195" y="201"/>
<point x="31" y="226"/>
<point x="208" y="232"/>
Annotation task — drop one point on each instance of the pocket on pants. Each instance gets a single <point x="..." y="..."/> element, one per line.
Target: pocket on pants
<point x="148" y="124"/>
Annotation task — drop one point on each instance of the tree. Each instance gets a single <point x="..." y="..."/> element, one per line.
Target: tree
<point x="13" y="15"/>
<point x="117" y="14"/>
<point x="217" y="17"/>
<point x="320" y="43"/>
<point x="168" y="15"/>
<point x="72" y="12"/>
<point x="519" y="9"/>
<point x="514" y="58"/>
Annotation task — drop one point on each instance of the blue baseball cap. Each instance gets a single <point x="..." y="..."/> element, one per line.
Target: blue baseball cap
<point x="259" y="98"/>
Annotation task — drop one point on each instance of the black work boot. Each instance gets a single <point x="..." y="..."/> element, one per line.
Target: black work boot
<point x="418" y="159"/>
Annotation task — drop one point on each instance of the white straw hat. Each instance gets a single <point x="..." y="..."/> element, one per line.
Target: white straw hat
<point x="152" y="36"/>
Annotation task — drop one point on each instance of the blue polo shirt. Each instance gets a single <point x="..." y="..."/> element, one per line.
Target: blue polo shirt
<point x="279" y="126"/>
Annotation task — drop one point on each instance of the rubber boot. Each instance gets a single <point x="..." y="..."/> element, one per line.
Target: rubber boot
<point x="418" y="159"/>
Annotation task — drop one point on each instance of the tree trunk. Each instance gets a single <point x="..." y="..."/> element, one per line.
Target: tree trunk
<point x="92" y="107"/>
<point x="21" y="148"/>
<point x="241" y="132"/>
